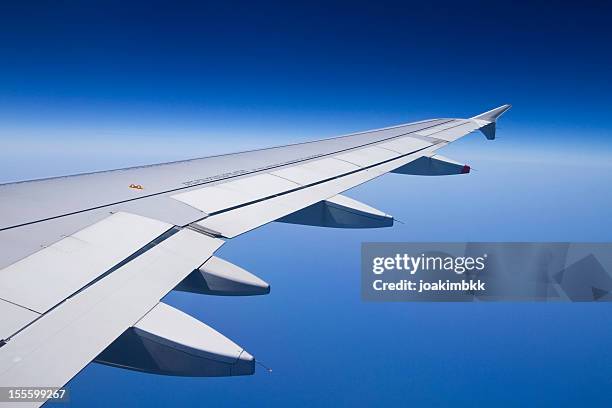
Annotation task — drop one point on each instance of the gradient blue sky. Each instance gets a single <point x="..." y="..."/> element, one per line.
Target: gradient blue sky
<point x="92" y="79"/>
<point x="94" y="85"/>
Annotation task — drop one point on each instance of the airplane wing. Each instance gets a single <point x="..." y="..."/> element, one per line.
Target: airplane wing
<point x="85" y="259"/>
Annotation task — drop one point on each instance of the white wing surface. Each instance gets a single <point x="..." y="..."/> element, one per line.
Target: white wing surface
<point x="85" y="259"/>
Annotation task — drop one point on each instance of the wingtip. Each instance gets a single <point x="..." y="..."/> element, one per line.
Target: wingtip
<point x="493" y="114"/>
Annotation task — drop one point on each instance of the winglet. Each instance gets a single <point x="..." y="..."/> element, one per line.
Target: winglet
<point x="488" y="129"/>
<point x="493" y="114"/>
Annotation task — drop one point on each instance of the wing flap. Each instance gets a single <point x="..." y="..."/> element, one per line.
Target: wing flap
<point x="432" y="131"/>
<point x="315" y="171"/>
<point x="233" y="193"/>
<point x="405" y="145"/>
<point x="13" y="318"/>
<point x="456" y="132"/>
<point x="368" y="156"/>
<point x="240" y="220"/>
<point x="44" y="353"/>
<point x="50" y="275"/>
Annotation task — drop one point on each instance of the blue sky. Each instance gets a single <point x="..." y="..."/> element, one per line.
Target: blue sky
<point x="94" y="85"/>
<point x="94" y="79"/>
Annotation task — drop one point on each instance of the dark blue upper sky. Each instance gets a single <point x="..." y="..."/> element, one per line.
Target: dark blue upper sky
<point x="367" y="63"/>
